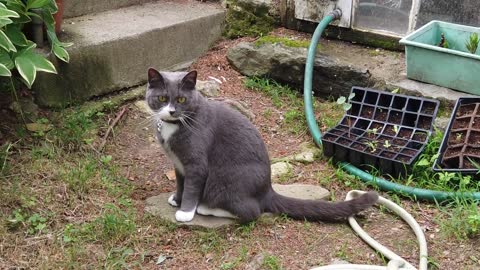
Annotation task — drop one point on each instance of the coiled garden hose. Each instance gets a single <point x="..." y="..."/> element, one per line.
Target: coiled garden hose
<point x="396" y="262"/>
<point x="418" y="193"/>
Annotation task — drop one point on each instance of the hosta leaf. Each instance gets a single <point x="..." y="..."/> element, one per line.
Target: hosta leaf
<point x="16" y="36"/>
<point x="60" y="52"/>
<point x="4" y="71"/>
<point x="26" y="69"/>
<point x="5" y="21"/>
<point x="5" y="42"/>
<point x="41" y="63"/>
<point x="37" y="3"/>
<point x="7" y="13"/>
<point x="6" y="60"/>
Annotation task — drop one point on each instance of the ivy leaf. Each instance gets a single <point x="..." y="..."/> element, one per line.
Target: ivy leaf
<point x="5" y="42"/>
<point x="4" y="71"/>
<point x="37" y="3"/>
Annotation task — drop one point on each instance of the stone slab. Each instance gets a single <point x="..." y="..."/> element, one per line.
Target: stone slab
<point x="429" y="90"/>
<point x="158" y="205"/>
<point x="110" y="53"/>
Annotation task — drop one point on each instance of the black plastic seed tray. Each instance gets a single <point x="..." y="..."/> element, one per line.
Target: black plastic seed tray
<point x="460" y="148"/>
<point x="382" y="130"/>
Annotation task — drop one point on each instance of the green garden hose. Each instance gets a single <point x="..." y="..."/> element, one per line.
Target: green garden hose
<point x="418" y="193"/>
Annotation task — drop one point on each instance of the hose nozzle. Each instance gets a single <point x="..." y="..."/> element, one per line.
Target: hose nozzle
<point x="336" y="14"/>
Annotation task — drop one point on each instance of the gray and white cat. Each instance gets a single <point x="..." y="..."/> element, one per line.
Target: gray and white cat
<point x="221" y="162"/>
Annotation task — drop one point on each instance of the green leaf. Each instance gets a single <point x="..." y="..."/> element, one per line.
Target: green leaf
<point x="6" y="60"/>
<point x="341" y="100"/>
<point x="423" y="162"/>
<point x="5" y="21"/>
<point x="61" y="53"/>
<point x="37" y="3"/>
<point x="26" y="69"/>
<point x="41" y="63"/>
<point x="347" y="106"/>
<point x="5" y="42"/>
<point x="4" y="71"/>
<point x="351" y="96"/>
<point x="7" y="13"/>
<point x="16" y="36"/>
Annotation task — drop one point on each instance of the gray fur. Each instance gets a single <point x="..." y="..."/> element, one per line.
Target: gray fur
<point x="225" y="160"/>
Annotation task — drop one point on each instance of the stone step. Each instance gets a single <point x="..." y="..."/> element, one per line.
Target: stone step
<point x="113" y="49"/>
<point x="75" y="8"/>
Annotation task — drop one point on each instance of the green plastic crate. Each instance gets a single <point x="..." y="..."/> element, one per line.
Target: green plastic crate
<point x="455" y="67"/>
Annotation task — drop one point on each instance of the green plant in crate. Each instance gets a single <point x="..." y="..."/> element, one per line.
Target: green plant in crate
<point x="346" y="106"/>
<point x="472" y="43"/>
<point x="16" y="51"/>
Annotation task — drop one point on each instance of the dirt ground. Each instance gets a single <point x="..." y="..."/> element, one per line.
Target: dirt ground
<point x="269" y="243"/>
<point x="296" y="244"/>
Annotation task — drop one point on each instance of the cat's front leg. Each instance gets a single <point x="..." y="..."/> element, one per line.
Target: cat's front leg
<point x="193" y="187"/>
<point x="176" y="199"/>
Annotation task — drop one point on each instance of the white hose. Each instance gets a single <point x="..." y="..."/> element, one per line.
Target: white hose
<point x="396" y="262"/>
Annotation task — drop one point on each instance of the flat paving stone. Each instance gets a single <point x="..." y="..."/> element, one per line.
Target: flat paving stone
<point x="158" y="205"/>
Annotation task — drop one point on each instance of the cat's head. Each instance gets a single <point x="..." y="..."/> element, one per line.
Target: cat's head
<point x="172" y="95"/>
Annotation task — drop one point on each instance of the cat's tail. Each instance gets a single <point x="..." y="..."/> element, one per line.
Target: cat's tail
<point x="315" y="210"/>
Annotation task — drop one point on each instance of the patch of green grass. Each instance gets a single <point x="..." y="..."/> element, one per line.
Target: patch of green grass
<point x="81" y="176"/>
<point x="235" y="263"/>
<point x="74" y="131"/>
<point x="460" y="218"/>
<point x="272" y="262"/>
<point x="210" y="241"/>
<point x="271" y="39"/>
<point x="283" y="97"/>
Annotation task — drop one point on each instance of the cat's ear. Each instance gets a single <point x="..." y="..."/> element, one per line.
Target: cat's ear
<point x="155" y="78"/>
<point x="190" y="80"/>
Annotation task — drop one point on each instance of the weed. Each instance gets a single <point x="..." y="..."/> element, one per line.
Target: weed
<point x="270" y="39"/>
<point x="346" y="106"/>
<point x="117" y="258"/>
<point x="234" y="264"/>
<point x="342" y="253"/>
<point x="34" y="223"/>
<point x="246" y="229"/>
<point x="80" y="177"/>
<point x="271" y="262"/>
<point x="460" y="218"/>
<point x="472" y="43"/>
<point x="210" y="241"/>
<point x="76" y="130"/>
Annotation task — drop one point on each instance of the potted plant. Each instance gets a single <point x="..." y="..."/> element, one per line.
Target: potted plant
<point x="444" y="54"/>
<point x="381" y="129"/>
<point x="460" y="148"/>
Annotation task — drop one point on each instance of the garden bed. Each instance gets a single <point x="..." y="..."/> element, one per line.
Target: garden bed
<point x="382" y="130"/>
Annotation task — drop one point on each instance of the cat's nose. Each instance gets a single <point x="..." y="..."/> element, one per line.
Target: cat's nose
<point x="172" y="112"/>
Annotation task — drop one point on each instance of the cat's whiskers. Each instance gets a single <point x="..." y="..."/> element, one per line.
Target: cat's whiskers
<point x="187" y="125"/>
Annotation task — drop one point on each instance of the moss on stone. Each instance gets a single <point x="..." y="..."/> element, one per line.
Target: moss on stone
<point x="244" y="19"/>
<point x="270" y="39"/>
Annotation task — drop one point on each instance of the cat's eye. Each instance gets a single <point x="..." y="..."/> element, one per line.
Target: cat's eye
<point x="162" y="98"/>
<point x="181" y="99"/>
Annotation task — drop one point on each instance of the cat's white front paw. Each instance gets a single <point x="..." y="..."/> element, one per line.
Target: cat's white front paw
<point x="182" y="216"/>
<point x="171" y="200"/>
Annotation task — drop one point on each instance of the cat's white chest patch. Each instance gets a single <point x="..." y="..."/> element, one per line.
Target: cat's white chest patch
<point x="166" y="131"/>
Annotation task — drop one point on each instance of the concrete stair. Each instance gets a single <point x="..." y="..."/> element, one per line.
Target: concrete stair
<point x="114" y="48"/>
<point x="75" y="8"/>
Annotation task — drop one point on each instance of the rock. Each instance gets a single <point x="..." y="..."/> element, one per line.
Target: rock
<point x="280" y="168"/>
<point x="442" y="123"/>
<point x="158" y="205"/>
<point x="256" y="262"/>
<point x="287" y="65"/>
<point x="209" y="88"/>
<point x="143" y="106"/>
<point x="239" y="106"/>
<point x="309" y="153"/>
<point x="339" y="261"/>
<point x="301" y="191"/>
